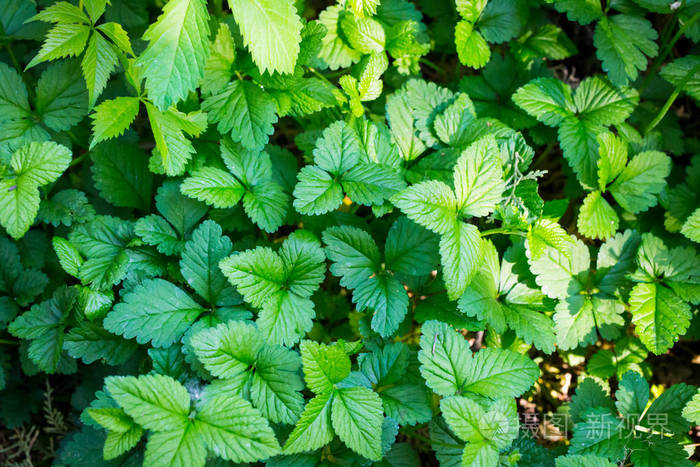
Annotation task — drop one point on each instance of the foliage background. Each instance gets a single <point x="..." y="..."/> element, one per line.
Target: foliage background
<point x="141" y="143"/>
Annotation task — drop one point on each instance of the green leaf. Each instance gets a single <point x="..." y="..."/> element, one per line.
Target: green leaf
<point x="632" y="395"/>
<point x="99" y="61"/>
<point x="112" y="117"/>
<point x="581" y="11"/>
<point x="103" y="242"/>
<point x="583" y="461"/>
<point x="271" y="31"/>
<point x="14" y="102"/>
<point x="431" y="204"/>
<point x="218" y="68"/>
<point x="44" y="325"/>
<point x="601" y="103"/>
<point x="324" y="365"/>
<point x="314" y="428"/>
<point x="155" y="402"/>
<point x="63" y="40"/>
<point x="478" y="178"/>
<point x="276" y="384"/>
<point x="124" y="181"/>
<point x="90" y="343"/>
<point x="266" y="205"/>
<point x="155" y="311"/>
<point x="214" y="187"/>
<point x="659" y="315"/>
<point x="257" y="274"/>
<point x="635" y="189"/>
<point x="623" y="43"/>
<point x="597" y="219"/>
<point x="613" y="158"/>
<point x="34" y="165"/>
<point x="472" y="49"/>
<point x="547" y="99"/>
<point x="235" y="431"/>
<point x="335" y="52"/>
<point x="676" y="72"/>
<point x="691" y="411"/>
<point x="61" y="96"/>
<point x="173" y="62"/>
<point x="180" y="446"/>
<point x="448" y="367"/>
<point x="410" y="249"/>
<point x="691" y="226"/>
<point x="244" y="111"/>
<point x="229" y="349"/>
<point x="116" y="33"/>
<point x="200" y="263"/>
<point x="357" y="417"/>
<point x="365" y="35"/>
<point x="154" y="230"/>
<point x="169" y="130"/>
<point x="460" y="253"/>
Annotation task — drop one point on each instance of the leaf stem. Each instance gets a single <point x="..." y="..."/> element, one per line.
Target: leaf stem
<point x="501" y="230"/>
<point x="667" y="50"/>
<point x="8" y="342"/>
<point x="671" y="99"/>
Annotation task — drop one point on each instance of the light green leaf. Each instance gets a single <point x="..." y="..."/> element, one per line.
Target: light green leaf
<point x="271" y="31"/>
<point x="314" y="429"/>
<point x="547" y="99"/>
<point x="478" y="178"/>
<point x="472" y="49"/>
<point x="178" y="47"/>
<point x="597" y="219"/>
<point x="63" y="40"/>
<point x="460" y="253"/>
<point x="324" y="365"/>
<point x="112" y="117"/>
<point x="214" y="187"/>
<point x="99" y="61"/>
<point x="635" y="189"/>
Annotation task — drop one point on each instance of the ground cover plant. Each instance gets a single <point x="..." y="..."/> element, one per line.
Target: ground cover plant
<point x="363" y="232"/>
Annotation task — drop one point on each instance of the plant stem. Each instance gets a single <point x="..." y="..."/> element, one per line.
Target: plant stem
<point x="667" y="50"/>
<point x="502" y="231"/>
<point x="8" y="342"/>
<point x="671" y="99"/>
